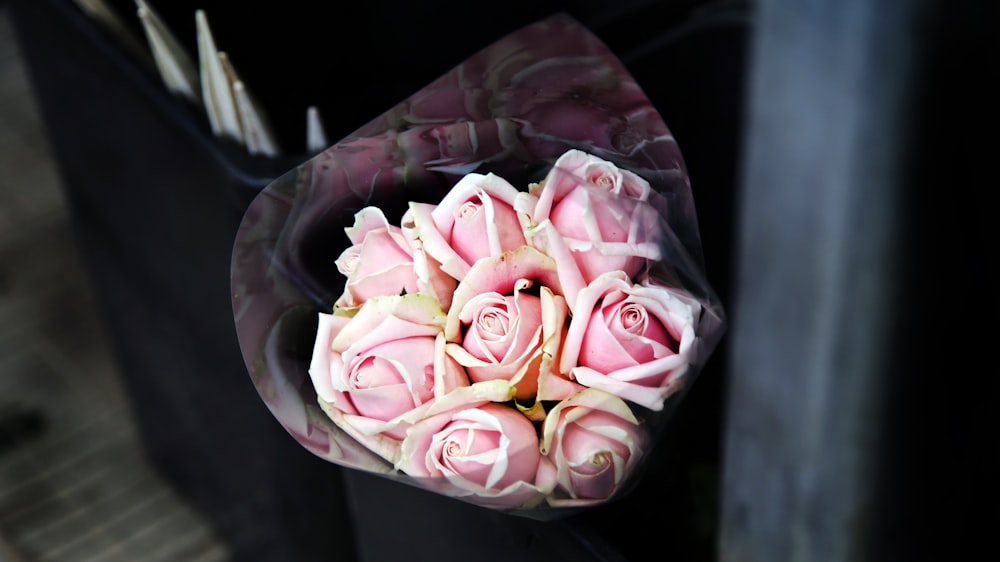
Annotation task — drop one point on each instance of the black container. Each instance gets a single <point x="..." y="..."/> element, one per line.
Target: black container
<point x="157" y="200"/>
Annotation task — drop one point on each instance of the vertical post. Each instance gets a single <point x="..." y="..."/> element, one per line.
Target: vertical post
<point x="817" y="290"/>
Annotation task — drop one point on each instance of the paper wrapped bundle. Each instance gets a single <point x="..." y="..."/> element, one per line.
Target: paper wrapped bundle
<point x="494" y="290"/>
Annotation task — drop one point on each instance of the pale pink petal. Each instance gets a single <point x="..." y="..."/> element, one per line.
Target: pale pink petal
<point x="414" y="449"/>
<point x="589" y="399"/>
<point x="603" y="349"/>
<point x="545" y="478"/>
<point x="649" y="396"/>
<point x="431" y="279"/>
<point x="397" y="278"/>
<point x="488" y="453"/>
<point x="366" y="220"/>
<point x="594" y="441"/>
<point x="488" y="342"/>
<point x="382" y="403"/>
<point x="599" y="485"/>
<point x="545" y="238"/>
<point x="587" y="301"/>
<point x="500" y="274"/>
<point x="528" y="324"/>
<point x="470" y="223"/>
<point x="320" y="367"/>
<point x="448" y="374"/>
<point x="462" y="397"/>
<point x="470" y="184"/>
<point x="551" y="384"/>
<point x="434" y="243"/>
<point x="388" y="318"/>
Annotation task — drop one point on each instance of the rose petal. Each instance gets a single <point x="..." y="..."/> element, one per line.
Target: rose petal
<point x="547" y="239"/>
<point x="442" y="451"/>
<point x="589" y="399"/>
<point x="434" y="243"/>
<point x="469" y="223"/>
<point x="431" y="279"/>
<point x="320" y="368"/>
<point x="651" y="397"/>
<point x="594" y="441"/>
<point x="600" y="346"/>
<point x="394" y="317"/>
<point x="448" y="375"/>
<point x="586" y="303"/>
<point x="474" y="220"/>
<point x="500" y="275"/>
<point x="601" y="214"/>
<point x="382" y="403"/>
<point x="366" y="220"/>
<point x="462" y="397"/>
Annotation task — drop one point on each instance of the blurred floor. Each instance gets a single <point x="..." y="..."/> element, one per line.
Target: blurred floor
<point x="73" y="483"/>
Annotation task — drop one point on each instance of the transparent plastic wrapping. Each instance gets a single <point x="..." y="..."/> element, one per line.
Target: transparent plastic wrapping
<point x="494" y="290"/>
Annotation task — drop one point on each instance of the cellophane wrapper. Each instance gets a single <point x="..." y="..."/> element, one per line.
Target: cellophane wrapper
<point x="512" y="111"/>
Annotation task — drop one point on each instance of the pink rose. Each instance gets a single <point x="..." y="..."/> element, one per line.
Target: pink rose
<point x="388" y="360"/>
<point x="507" y="321"/>
<point x="488" y="454"/>
<point x="383" y="262"/>
<point x="592" y="217"/>
<point x="592" y="442"/>
<point x="476" y="219"/>
<point x="632" y="340"/>
<point x="505" y="336"/>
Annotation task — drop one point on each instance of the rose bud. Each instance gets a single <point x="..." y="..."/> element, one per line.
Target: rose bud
<point x="506" y="336"/>
<point x="386" y="361"/>
<point x="635" y="341"/>
<point x="487" y="453"/>
<point x="383" y="262"/>
<point x="592" y="442"/>
<point x="483" y="337"/>
<point x="592" y="218"/>
<point x="476" y="219"/>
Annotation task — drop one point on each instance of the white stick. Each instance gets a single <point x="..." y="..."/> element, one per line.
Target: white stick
<point x="176" y="68"/>
<point x="315" y="135"/>
<point x="215" y="86"/>
<point x="256" y="131"/>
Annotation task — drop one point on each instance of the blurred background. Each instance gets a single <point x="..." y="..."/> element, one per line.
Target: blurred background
<point x="74" y="484"/>
<point x="836" y="163"/>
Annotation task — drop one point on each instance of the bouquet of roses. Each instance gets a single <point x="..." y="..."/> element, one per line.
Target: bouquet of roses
<point x="518" y="300"/>
<point x="497" y="341"/>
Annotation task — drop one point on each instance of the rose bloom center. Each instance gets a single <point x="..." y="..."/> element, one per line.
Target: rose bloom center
<point x="599" y="462"/>
<point x="634" y="318"/>
<point x="468" y="451"/>
<point x="493" y="322"/>
<point x="467" y="211"/>
<point x="604" y="181"/>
